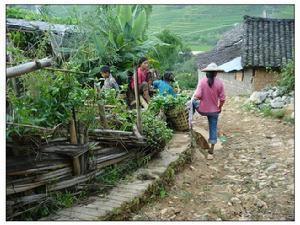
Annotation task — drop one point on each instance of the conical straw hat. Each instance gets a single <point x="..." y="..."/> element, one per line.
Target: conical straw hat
<point x="212" y="67"/>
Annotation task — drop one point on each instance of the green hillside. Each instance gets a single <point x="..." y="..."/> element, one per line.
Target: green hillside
<point x="200" y="26"/>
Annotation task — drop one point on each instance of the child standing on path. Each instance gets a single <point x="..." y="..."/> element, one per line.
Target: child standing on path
<point x="210" y="92"/>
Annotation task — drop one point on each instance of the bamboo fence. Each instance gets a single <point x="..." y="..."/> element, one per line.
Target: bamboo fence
<point x="31" y="178"/>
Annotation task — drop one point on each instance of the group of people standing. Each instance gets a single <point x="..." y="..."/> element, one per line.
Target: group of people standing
<point x="208" y="98"/>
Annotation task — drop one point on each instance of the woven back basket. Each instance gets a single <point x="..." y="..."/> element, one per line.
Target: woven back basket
<point x="179" y="120"/>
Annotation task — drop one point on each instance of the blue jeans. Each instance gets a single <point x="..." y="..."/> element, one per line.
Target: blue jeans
<point x="212" y="125"/>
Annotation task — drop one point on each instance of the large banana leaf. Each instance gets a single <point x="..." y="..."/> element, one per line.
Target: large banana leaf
<point x="100" y="47"/>
<point x="124" y="15"/>
<point x="127" y="32"/>
<point x="139" y="24"/>
<point x="111" y="39"/>
<point x="120" y="40"/>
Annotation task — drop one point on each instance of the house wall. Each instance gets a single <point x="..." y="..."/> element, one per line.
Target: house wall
<point x="235" y="83"/>
<point x="262" y="78"/>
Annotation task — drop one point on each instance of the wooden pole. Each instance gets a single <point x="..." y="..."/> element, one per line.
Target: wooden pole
<point x="73" y="136"/>
<point x="27" y="67"/>
<point x="73" y="140"/>
<point x="137" y="100"/>
<point x="101" y="109"/>
<point x="13" y="80"/>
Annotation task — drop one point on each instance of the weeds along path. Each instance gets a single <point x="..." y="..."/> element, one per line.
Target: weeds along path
<point x="251" y="178"/>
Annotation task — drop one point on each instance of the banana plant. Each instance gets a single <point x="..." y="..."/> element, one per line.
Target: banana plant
<point x="116" y="36"/>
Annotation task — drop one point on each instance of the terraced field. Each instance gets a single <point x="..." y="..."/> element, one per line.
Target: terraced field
<point x="201" y="26"/>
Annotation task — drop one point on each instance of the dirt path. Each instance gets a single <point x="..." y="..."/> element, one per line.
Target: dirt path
<point x="251" y="178"/>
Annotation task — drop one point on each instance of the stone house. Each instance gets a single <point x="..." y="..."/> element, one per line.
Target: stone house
<point x="251" y="53"/>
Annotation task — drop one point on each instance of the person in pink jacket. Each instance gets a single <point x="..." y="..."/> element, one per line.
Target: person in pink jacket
<point x="210" y="92"/>
<point x="142" y="72"/>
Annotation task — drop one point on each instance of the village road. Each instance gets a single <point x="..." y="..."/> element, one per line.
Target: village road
<point x="251" y="178"/>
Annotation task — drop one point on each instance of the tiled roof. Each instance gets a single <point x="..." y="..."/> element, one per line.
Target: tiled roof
<point x="260" y="41"/>
<point x="267" y="42"/>
<point x="219" y="56"/>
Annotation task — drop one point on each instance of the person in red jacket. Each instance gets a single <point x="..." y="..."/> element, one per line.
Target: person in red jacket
<point x="142" y="72"/>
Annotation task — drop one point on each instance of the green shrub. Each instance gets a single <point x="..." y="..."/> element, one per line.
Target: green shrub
<point x="155" y="130"/>
<point x="187" y="80"/>
<point x="266" y="110"/>
<point x="287" y="77"/>
<point x="167" y="102"/>
<point x="278" y="113"/>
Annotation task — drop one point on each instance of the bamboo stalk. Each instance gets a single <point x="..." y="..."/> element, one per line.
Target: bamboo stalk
<point x="137" y="133"/>
<point x="65" y="70"/>
<point x="12" y="189"/>
<point x="108" y="157"/>
<point x="54" y="174"/>
<point x="108" y="131"/>
<point x="33" y="126"/>
<point x="112" y="161"/>
<point x="39" y="169"/>
<point x="27" y="67"/>
<point x="71" y="182"/>
<point x="21" y="201"/>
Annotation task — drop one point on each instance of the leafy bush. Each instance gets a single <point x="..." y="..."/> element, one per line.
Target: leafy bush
<point x="186" y="73"/>
<point x="48" y="100"/>
<point x="156" y="130"/>
<point x="166" y="103"/>
<point x="287" y="77"/>
<point x="187" y="80"/>
<point x="167" y="55"/>
<point x="114" y="36"/>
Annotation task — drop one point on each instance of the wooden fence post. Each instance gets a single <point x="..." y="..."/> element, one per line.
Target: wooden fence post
<point x="73" y="140"/>
<point x="101" y="109"/>
<point x="137" y="100"/>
